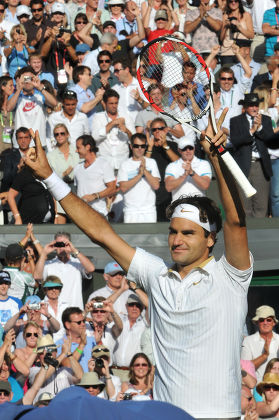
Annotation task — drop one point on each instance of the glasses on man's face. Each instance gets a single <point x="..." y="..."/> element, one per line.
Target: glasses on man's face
<point x="226" y="78"/>
<point x="261" y="320"/>
<point x="4" y="282"/>
<point x="119" y="273"/>
<point x="99" y="350"/>
<point x="29" y="334"/>
<point x="187" y="148"/>
<point x="233" y="1"/>
<point x="82" y="321"/>
<point x="95" y="311"/>
<point x="23" y="16"/>
<point x="54" y="288"/>
<point x="140" y="365"/>
<point x="105" y="61"/>
<point x="139" y="146"/>
<point x="80" y="22"/>
<point x="91" y="386"/>
<point x="4" y="393"/>
<point x="39" y="9"/>
<point x="117" y="70"/>
<point x="157" y="128"/>
<point x="2" y="10"/>
<point x="138" y="305"/>
<point x="62" y="133"/>
<point x="271" y="386"/>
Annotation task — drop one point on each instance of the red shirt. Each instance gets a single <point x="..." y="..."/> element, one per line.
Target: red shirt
<point x="153" y="35"/>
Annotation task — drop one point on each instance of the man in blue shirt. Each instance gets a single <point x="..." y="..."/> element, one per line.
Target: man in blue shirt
<point x="271" y="28"/>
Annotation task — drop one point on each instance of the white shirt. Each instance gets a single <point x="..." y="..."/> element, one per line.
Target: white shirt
<point x="113" y="146"/>
<point x="120" y="303"/>
<point x="188" y="186"/>
<point x="257" y="9"/>
<point x="239" y="71"/>
<point x="141" y="197"/>
<point x="231" y="98"/>
<point x="93" y="179"/>
<point x="77" y="126"/>
<point x="127" y="102"/>
<point x="252" y="347"/>
<point x="128" y="343"/>
<point x="196" y="331"/>
<point x="70" y="274"/>
<point x="59" y="164"/>
<point x="62" y="305"/>
<point x="90" y="60"/>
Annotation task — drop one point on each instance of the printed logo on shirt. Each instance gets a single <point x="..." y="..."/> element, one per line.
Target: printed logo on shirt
<point x="29" y="106"/>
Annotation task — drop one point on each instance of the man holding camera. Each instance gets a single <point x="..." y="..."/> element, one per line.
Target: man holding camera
<point x="70" y="265"/>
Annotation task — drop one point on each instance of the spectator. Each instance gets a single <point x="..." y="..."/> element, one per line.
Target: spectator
<point x="116" y="8"/>
<point x="70" y="265"/>
<point x="139" y="178"/>
<point x="22" y="283"/>
<point x="75" y="121"/>
<point x="188" y="175"/>
<point x="86" y="100"/>
<point x="39" y="27"/>
<point x="9" y="305"/>
<point x="23" y="14"/>
<point x="164" y="152"/>
<point x="104" y="78"/>
<point x="31" y="333"/>
<point x="5" y="24"/>
<point x="270" y="29"/>
<point x="36" y="62"/>
<point x="10" y="12"/>
<point x="81" y="51"/>
<point x="262" y="346"/>
<point x="203" y="24"/>
<point x="163" y="25"/>
<point x="150" y="9"/>
<point x="108" y="42"/>
<point x="272" y="72"/>
<point x="113" y="276"/>
<point x="112" y="130"/>
<point x="269" y="389"/>
<point x="6" y="127"/>
<point x="249" y="133"/>
<point x="92" y="384"/>
<point x="271" y="367"/>
<point x="28" y="102"/>
<point x="242" y="53"/>
<point x="90" y="8"/>
<point x="237" y="24"/>
<point x="81" y="346"/>
<point x="82" y="35"/>
<point x="93" y="174"/>
<point x="140" y="376"/>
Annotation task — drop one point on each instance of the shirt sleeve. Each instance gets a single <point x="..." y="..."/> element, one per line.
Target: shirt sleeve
<point x="246" y="353"/>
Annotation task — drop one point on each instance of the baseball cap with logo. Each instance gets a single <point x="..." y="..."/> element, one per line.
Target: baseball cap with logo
<point x="23" y="10"/>
<point x="5" y="276"/>
<point x="112" y="268"/>
<point x="58" y="8"/>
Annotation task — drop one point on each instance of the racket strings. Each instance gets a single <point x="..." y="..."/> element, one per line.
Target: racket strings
<point x="181" y="76"/>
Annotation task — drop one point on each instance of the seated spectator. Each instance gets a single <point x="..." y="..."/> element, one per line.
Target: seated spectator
<point x="31" y="333"/>
<point x="86" y="100"/>
<point x="17" y="53"/>
<point x="139" y="178"/>
<point x="116" y="8"/>
<point x="36" y="62"/>
<point x="7" y="124"/>
<point x="269" y="389"/>
<point x="188" y="175"/>
<point x="39" y="27"/>
<point x="104" y="323"/>
<point x="237" y="24"/>
<point x="113" y="277"/>
<point x="203" y="23"/>
<point x="140" y="376"/>
<point x="28" y="102"/>
<point x="92" y="384"/>
<point x="82" y="33"/>
<point x="271" y="367"/>
<point x="23" y="14"/>
<point x="112" y="130"/>
<point x="93" y="177"/>
<point x="44" y="399"/>
<point x="70" y="265"/>
<point x="9" y="305"/>
<point x="74" y="323"/>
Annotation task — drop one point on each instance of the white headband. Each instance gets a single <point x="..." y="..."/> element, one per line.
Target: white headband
<point x="189" y="212"/>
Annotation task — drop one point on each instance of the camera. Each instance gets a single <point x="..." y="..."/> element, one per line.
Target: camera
<point x="97" y="305"/>
<point x="34" y="306"/>
<point x="99" y="363"/>
<point x="18" y="31"/>
<point x="59" y="244"/>
<point x="232" y="25"/>
<point x="127" y="396"/>
<point x="48" y="359"/>
<point x="61" y="31"/>
<point x="27" y="78"/>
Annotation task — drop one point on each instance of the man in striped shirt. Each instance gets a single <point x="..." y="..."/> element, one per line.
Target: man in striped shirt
<point x="198" y="306"/>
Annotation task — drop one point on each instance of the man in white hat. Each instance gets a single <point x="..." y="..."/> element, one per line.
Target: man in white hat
<point x="264" y="344"/>
<point x="189" y="175"/>
<point x="198" y="306"/>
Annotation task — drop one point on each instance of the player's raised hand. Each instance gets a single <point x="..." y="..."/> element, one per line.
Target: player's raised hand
<point x="36" y="158"/>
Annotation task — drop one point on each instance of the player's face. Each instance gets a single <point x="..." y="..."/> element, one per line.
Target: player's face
<point x="226" y="81"/>
<point x="23" y="140"/>
<point x="252" y="110"/>
<point x="70" y="106"/>
<point x="189" y="74"/>
<point x="138" y="148"/>
<point x="266" y="325"/>
<point x="187" y="242"/>
<point x="156" y="96"/>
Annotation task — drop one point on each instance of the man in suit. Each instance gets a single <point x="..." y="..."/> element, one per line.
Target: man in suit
<point x="248" y="133"/>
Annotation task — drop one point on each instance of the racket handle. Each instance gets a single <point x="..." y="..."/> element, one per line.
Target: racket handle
<point x="238" y="175"/>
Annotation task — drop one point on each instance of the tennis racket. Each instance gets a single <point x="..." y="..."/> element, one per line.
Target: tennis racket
<point x="187" y="87"/>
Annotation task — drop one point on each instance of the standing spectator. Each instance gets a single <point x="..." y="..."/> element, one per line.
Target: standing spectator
<point x="271" y="28"/>
<point x="86" y="100"/>
<point x="112" y="130"/>
<point x="104" y="78"/>
<point x="242" y="53"/>
<point x="6" y="126"/>
<point x="5" y="25"/>
<point x="70" y="265"/>
<point x="262" y="346"/>
<point x="113" y="276"/>
<point x="94" y="177"/>
<point x="75" y="121"/>
<point x="163" y="26"/>
<point x="39" y="26"/>
<point x="249" y="132"/>
<point x="82" y="35"/>
<point x="203" y="23"/>
<point x="139" y="178"/>
<point x="90" y="9"/>
<point x="36" y="62"/>
<point x="188" y="175"/>
<point x="116" y="8"/>
<point x="28" y="102"/>
<point x="270" y="75"/>
<point x="9" y="305"/>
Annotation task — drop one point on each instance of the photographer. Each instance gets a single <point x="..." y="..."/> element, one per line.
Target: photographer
<point x="100" y="364"/>
<point x="58" y="377"/>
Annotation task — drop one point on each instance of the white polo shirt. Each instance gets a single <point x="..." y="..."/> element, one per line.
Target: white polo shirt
<point x="196" y="331"/>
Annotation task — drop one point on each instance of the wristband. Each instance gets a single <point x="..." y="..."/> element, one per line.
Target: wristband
<point x="43" y="88"/>
<point x="79" y="351"/>
<point x="36" y="242"/>
<point x="75" y="254"/>
<point x="58" y="188"/>
<point x="17" y="215"/>
<point x="109" y="377"/>
<point x="192" y="174"/>
<point x="166" y="147"/>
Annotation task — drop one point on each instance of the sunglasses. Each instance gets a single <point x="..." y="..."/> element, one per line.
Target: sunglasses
<point x="95" y="311"/>
<point x="117" y="70"/>
<point x="271" y="386"/>
<point x="2" y="10"/>
<point x="5" y="393"/>
<point x="59" y="134"/>
<point x="265" y="319"/>
<point x="82" y="321"/>
<point x="54" y="288"/>
<point x="226" y="78"/>
<point x="99" y="350"/>
<point x="157" y="128"/>
<point x="165" y="20"/>
<point x="57" y="13"/>
<point x="119" y="273"/>
<point x="105" y="61"/>
<point x="4" y="282"/>
<point x="140" y="364"/>
<point x="187" y="148"/>
<point x="139" y="146"/>
<point x="31" y="334"/>
<point x="40" y="9"/>
<point x="138" y="305"/>
<point x="23" y="16"/>
<point x="233" y="1"/>
<point x="79" y="22"/>
<point x="91" y="386"/>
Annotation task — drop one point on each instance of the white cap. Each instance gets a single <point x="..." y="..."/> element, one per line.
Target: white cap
<point x="23" y="10"/>
<point x="190" y="212"/>
<point x="184" y="141"/>
<point x="58" y="7"/>
<point x="115" y="2"/>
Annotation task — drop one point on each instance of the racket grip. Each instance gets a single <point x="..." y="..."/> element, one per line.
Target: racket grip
<point x="238" y="175"/>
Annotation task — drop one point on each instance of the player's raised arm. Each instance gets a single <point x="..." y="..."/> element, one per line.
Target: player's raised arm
<point x="92" y="223"/>
<point x="235" y="233"/>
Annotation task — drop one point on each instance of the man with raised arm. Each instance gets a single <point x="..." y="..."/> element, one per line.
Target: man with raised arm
<point x="198" y="305"/>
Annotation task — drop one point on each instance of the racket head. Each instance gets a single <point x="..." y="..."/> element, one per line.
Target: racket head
<point x="181" y="74"/>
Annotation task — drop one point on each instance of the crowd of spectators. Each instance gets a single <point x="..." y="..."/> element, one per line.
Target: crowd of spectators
<point x="68" y="71"/>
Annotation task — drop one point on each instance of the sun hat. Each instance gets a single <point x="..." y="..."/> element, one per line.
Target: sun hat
<point x="268" y="379"/>
<point x="264" y="311"/>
